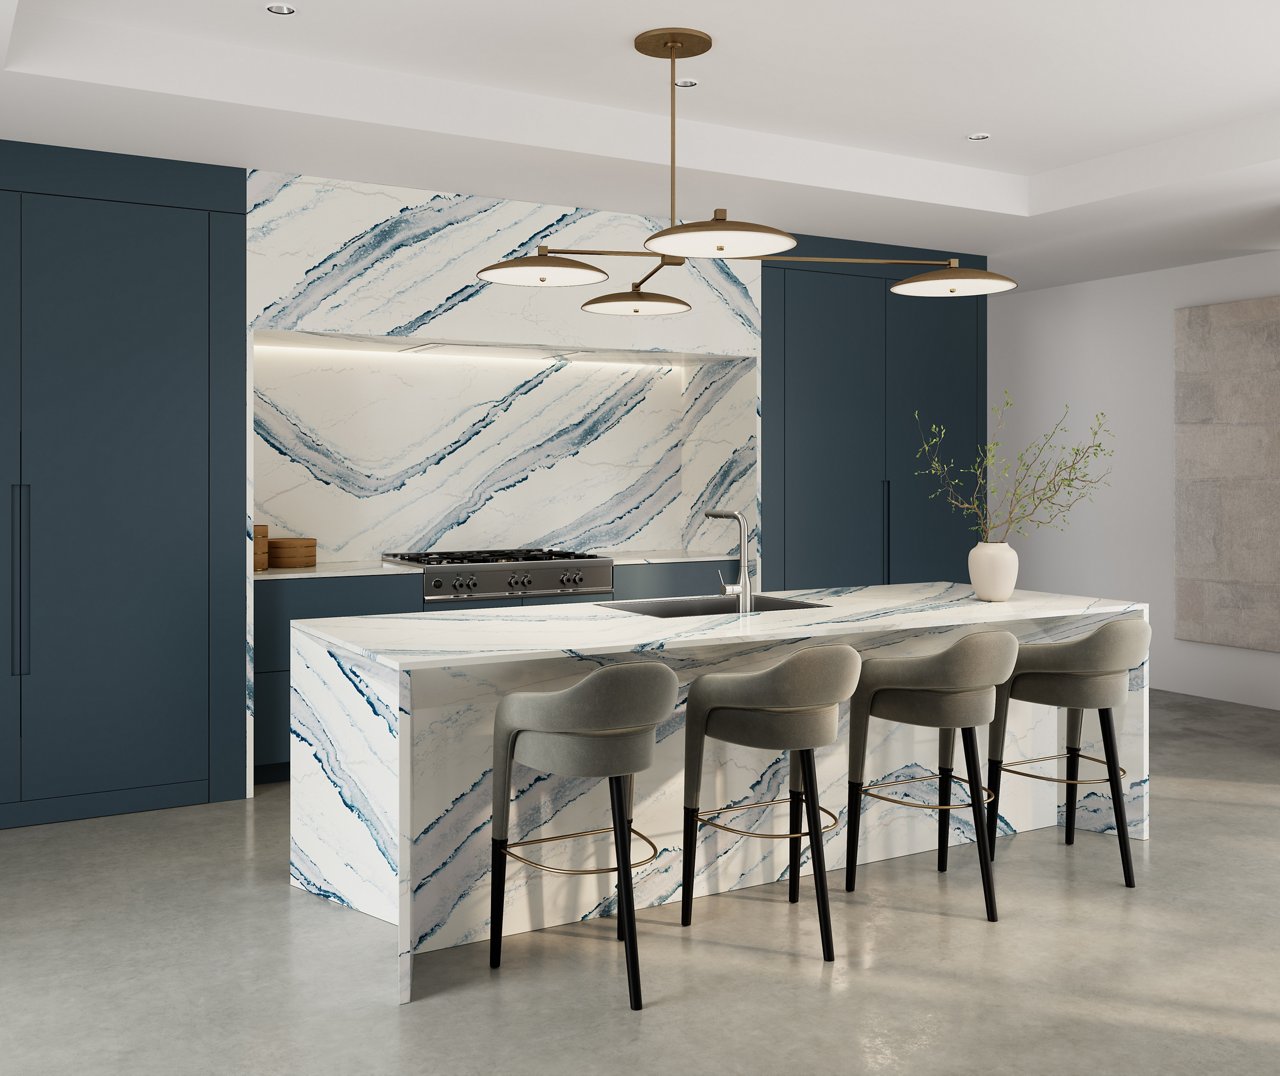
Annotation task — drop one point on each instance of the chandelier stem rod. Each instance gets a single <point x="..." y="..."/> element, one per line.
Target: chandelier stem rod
<point x="673" y="133"/>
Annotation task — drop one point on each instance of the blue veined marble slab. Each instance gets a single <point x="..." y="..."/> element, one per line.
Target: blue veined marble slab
<point x="421" y="451"/>
<point x="392" y="731"/>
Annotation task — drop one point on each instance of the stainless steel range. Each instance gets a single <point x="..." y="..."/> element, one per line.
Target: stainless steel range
<point x="508" y="573"/>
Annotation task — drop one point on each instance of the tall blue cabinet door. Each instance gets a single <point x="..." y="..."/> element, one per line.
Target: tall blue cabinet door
<point x="115" y="372"/>
<point x="833" y="384"/>
<point x="935" y="364"/>
<point x="10" y="503"/>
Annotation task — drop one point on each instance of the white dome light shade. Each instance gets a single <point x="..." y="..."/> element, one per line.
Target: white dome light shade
<point x="635" y="303"/>
<point x="720" y="238"/>
<point x="954" y="283"/>
<point x="542" y="271"/>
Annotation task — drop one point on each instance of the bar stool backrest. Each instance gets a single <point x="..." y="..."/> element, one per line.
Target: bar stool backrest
<point x="816" y="677"/>
<point x="626" y="696"/>
<point x="955" y="688"/>
<point x="1089" y="673"/>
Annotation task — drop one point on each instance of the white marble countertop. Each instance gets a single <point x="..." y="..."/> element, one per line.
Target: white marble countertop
<point x="445" y="637"/>
<point x="333" y="569"/>
<point x="661" y="556"/>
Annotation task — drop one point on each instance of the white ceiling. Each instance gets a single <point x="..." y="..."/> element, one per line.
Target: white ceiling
<point x="1125" y="136"/>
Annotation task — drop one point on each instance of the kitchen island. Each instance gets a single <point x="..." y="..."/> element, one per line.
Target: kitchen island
<point x="391" y="751"/>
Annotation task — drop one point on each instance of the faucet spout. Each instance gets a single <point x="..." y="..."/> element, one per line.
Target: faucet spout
<point x="743" y="588"/>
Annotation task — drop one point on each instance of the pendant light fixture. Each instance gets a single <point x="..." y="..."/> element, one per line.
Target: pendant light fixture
<point x="633" y="302"/>
<point x="719" y="237"/>
<point x="543" y="270"/>
<point x="954" y="281"/>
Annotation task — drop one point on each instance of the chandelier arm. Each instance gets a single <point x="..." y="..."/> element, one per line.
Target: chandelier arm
<point x="952" y="263"/>
<point x="662" y="264"/>
<point x="602" y="253"/>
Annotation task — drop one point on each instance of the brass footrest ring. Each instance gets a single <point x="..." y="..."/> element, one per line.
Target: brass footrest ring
<point x="987" y="794"/>
<point x="706" y="816"/>
<point x="1061" y="780"/>
<point x="653" y="852"/>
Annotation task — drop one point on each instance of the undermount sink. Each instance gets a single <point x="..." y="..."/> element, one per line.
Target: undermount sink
<point x="712" y="605"/>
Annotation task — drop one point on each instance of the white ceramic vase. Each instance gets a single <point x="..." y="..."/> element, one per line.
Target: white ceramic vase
<point x="993" y="570"/>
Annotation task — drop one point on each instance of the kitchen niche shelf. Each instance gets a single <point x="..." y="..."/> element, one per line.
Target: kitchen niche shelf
<point x="421" y="347"/>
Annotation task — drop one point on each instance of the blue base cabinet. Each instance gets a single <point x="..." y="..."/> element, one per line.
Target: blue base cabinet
<point x="677" y="579"/>
<point x="126" y="277"/>
<point x="845" y="366"/>
<point x="276" y="602"/>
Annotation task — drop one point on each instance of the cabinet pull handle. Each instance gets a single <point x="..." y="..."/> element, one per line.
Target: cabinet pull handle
<point x="884" y="536"/>
<point x="20" y="580"/>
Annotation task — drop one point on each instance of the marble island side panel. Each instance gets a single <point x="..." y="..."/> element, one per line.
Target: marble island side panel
<point x="359" y="715"/>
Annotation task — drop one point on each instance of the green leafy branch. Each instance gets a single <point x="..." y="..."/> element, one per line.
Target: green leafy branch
<point x="1037" y="488"/>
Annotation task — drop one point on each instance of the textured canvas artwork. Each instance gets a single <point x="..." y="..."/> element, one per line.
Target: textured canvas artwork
<point x="1227" y="445"/>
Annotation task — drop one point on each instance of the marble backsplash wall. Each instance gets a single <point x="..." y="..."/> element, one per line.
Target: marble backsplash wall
<point x="372" y="452"/>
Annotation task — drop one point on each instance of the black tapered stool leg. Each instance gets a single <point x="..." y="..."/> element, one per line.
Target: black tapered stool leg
<point x="797" y="819"/>
<point x="994" y="770"/>
<point x="944" y="816"/>
<point x="1117" y="793"/>
<point x="853" y="826"/>
<point x="970" y="741"/>
<point x="1073" y="775"/>
<point x="690" y="864"/>
<point x="626" y="895"/>
<point x="817" y="854"/>
<point x="497" y="901"/>
<point x="622" y="925"/>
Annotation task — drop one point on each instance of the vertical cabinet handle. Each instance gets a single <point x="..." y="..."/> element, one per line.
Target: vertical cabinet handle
<point x="884" y="536"/>
<point x="20" y="580"/>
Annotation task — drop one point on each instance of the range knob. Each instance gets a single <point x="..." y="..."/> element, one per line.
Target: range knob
<point x="565" y="579"/>
<point x="471" y="583"/>
<point x="513" y="582"/>
<point x="526" y="580"/>
<point x="436" y="584"/>
<point x="577" y="579"/>
<point x="457" y="583"/>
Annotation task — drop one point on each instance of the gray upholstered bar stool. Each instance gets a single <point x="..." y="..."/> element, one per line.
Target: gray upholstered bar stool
<point x="953" y="689"/>
<point x="602" y="726"/>
<point x="793" y="706"/>
<point x="1089" y="673"/>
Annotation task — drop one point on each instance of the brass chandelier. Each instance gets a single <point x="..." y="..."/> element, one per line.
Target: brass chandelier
<point x="719" y="237"/>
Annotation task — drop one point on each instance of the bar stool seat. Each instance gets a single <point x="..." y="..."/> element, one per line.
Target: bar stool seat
<point x="1089" y="673"/>
<point x="949" y="690"/>
<point x="793" y="706"/>
<point x="603" y="726"/>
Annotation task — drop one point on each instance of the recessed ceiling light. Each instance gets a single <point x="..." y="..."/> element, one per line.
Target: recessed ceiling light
<point x="979" y="136"/>
<point x="686" y="83"/>
<point x="281" y="9"/>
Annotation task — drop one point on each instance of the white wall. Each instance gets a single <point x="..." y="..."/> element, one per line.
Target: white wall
<point x="1107" y="345"/>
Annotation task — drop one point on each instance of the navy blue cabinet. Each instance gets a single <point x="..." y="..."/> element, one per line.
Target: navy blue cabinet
<point x="278" y="601"/>
<point x="845" y="366"/>
<point x="675" y="579"/>
<point x="122" y="394"/>
<point x="11" y="606"/>
<point x="113" y="414"/>
<point x="935" y="363"/>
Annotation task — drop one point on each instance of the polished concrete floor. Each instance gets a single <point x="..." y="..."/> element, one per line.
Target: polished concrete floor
<point x="170" y="943"/>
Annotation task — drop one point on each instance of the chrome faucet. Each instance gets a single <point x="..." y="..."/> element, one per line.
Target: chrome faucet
<point x="742" y="588"/>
